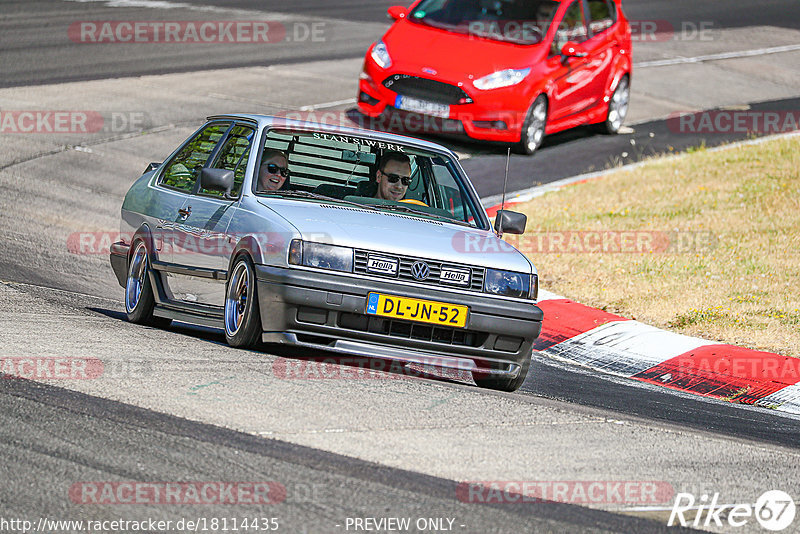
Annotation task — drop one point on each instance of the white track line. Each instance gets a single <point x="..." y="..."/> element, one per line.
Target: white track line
<point x="153" y="4"/>
<point x="717" y="57"/>
<point x="328" y="104"/>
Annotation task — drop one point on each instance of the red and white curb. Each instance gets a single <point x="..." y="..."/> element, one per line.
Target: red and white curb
<point x="601" y="341"/>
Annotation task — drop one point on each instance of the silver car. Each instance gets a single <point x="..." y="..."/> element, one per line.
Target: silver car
<point x="353" y="241"/>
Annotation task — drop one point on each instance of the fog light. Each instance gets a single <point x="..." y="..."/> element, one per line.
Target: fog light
<point x="490" y="125"/>
<point x="364" y="97"/>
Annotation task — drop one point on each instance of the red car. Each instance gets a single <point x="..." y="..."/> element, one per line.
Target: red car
<point x="502" y="70"/>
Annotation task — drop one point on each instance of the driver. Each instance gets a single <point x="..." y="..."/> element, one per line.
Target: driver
<point x="393" y="176"/>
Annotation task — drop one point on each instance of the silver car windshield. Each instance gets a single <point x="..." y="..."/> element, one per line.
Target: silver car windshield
<point x="517" y="21"/>
<point x="373" y="174"/>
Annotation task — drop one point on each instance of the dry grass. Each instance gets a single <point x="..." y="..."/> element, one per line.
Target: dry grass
<point x="740" y="285"/>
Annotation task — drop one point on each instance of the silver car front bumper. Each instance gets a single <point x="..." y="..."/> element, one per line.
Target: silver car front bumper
<point x="326" y="310"/>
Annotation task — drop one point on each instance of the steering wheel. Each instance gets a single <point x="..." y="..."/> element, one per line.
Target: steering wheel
<point x="414" y="201"/>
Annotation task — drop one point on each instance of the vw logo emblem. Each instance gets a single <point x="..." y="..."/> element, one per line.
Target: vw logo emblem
<point x="420" y="270"/>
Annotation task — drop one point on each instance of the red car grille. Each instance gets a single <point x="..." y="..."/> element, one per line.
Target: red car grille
<point x="425" y="89"/>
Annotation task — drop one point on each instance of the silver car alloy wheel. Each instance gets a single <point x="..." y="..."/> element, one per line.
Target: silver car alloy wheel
<point x="137" y="270"/>
<point x="618" y="107"/>
<point x="236" y="299"/>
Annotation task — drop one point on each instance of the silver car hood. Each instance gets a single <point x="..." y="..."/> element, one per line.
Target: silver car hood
<point x="398" y="233"/>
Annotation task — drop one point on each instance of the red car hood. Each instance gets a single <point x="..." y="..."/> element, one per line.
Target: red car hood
<point x="453" y="56"/>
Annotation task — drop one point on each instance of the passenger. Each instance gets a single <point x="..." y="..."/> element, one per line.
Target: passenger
<point x="274" y="171"/>
<point x="393" y="176"/>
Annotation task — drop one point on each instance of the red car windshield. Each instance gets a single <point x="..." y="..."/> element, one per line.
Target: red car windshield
<point x="516" y="21"/>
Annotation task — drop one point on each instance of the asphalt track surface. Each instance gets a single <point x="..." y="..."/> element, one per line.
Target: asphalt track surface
<point x="36" y="50"/>
<point x="67" y="432"/>
<point x="51" y="436"/>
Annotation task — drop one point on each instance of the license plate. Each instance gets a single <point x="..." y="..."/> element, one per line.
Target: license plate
<point x="421" y="106"/>
<point x="422" y="311"/>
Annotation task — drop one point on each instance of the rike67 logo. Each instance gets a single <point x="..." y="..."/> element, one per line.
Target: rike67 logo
<point x="774" y="510"/>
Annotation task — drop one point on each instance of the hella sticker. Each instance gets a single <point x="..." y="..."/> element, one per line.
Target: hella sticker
<point x="460" y="277"/>
<point x="382" y="265"/>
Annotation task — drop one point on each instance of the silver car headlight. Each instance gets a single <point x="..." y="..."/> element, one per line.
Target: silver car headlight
<point x="380" y="55"/>
<point x="501" y="78"/>
<point x="507" y="284"/>
<point x="321" y="256"/>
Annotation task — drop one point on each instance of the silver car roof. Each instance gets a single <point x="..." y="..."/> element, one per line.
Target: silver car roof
<point x="269" y="120"/>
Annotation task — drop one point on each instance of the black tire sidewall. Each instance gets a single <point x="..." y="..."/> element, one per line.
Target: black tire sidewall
<point x="504" y="384"/>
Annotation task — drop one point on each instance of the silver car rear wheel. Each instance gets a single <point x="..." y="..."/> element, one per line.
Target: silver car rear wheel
<point x="139" y="300"/>
<point x="137" y="273"/>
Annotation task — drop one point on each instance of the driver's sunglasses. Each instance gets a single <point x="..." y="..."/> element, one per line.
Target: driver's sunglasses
<point x="393" y="178"/>
<point x="272" y="168"/>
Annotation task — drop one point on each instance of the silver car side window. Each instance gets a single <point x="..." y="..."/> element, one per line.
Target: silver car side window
<point x="233" y="157"/>
<point x="182" y="171"/>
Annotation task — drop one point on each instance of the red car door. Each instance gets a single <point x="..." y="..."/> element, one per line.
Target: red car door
<point x="571" y="75"/>
<point x="602" y="47"/>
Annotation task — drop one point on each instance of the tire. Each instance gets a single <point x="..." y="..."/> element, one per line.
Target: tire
<point x="504" y="384"/>
<point x="617" y="107"/>
<point x="533" y="128"/>
<point x="242" y="315"/>
<point x="139" y="301"/>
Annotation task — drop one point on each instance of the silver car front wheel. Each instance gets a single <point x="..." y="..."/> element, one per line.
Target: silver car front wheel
<point x="242" y="319"/>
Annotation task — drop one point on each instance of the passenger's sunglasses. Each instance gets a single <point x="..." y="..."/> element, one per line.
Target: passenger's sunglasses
<point x="393" y="178"/>
<point x="272" y="168"/>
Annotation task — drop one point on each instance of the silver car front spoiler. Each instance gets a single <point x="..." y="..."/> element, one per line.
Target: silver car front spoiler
<point x="369" y="350"/>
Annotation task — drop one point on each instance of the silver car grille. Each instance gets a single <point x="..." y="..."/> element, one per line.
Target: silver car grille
<point x="404" y="271"/>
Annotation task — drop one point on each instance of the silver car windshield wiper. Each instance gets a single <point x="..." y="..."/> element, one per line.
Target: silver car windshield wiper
<point x="406" y="209"/>
<point x="289" y="193"/>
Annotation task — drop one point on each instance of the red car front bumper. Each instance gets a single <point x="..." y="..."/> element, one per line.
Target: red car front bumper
<point x="495" y="115"/>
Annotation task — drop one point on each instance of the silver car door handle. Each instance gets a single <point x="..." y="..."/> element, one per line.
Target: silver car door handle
<point x="184" y="213"/>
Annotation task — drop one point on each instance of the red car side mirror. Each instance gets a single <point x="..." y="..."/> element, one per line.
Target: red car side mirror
<point x="573" y="49"/>
<point x="397" y="12"/>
